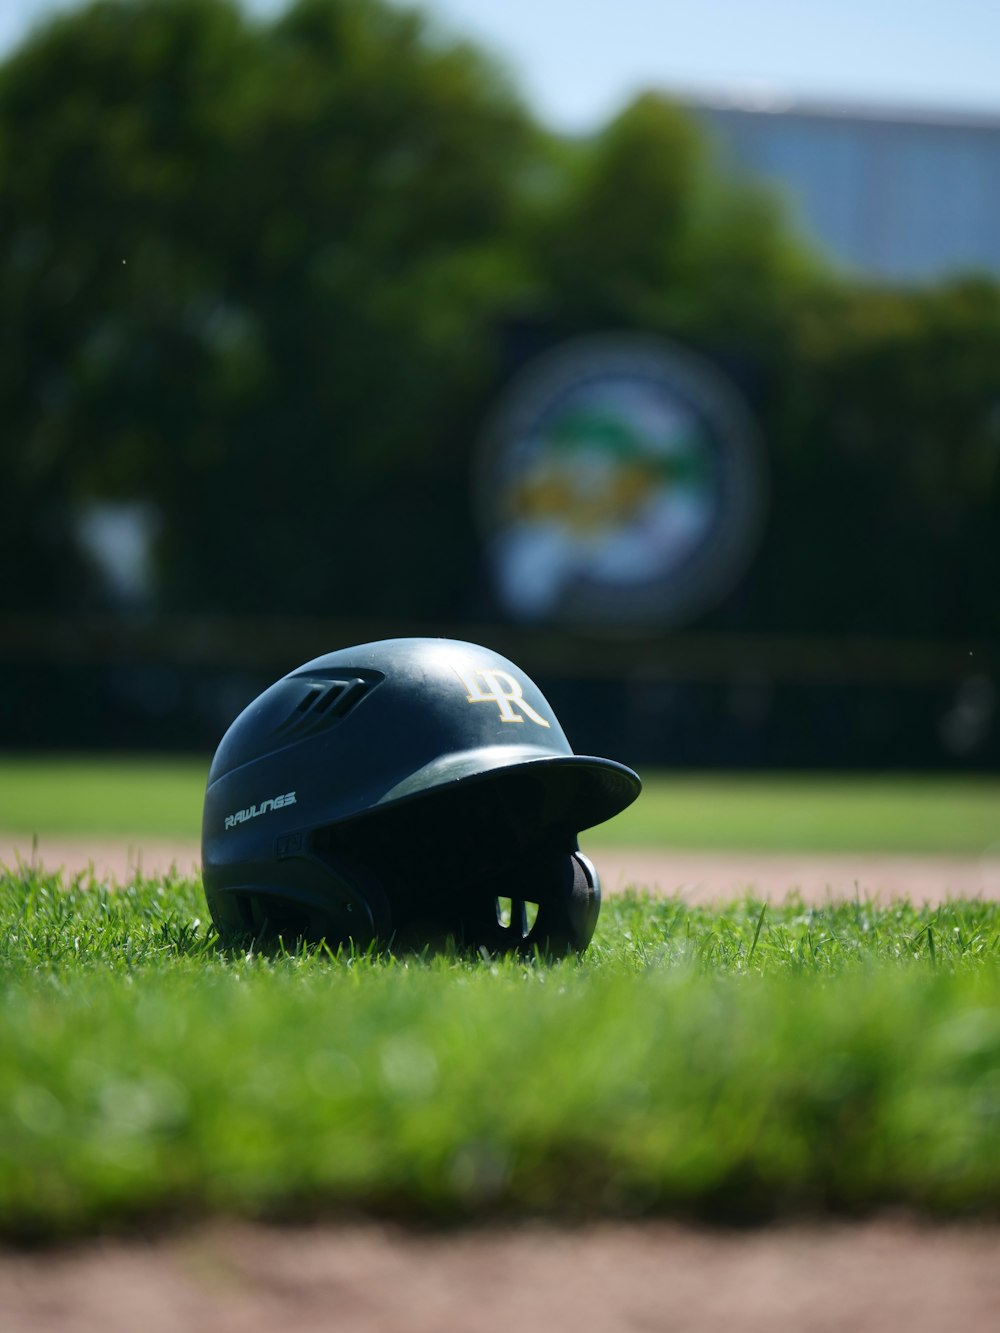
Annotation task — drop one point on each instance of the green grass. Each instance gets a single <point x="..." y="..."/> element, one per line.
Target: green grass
<point x="127" y="795"/>
<point x="812" y="812"/>
<point x="162" y="797"/>
<point x="737" y="1064"/>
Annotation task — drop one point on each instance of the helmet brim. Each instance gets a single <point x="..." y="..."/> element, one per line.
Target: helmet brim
<point x="593" y="789"/>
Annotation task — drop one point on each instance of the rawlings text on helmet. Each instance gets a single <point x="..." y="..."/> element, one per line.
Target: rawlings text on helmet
<point x="272" y="803"/>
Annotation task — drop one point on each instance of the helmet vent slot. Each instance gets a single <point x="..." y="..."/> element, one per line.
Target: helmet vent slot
<point x="336" y="698"/>
<point x="307" y="700"/>
<point x="325" y="700"/>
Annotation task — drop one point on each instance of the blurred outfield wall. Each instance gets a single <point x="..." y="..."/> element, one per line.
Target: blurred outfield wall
<point x="688" y="700"/>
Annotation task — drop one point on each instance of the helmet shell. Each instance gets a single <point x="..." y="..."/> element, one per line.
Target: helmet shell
<point x="373" y="727"/>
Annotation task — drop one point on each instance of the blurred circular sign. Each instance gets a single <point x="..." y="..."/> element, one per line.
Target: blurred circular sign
<point x="619" y="484"/>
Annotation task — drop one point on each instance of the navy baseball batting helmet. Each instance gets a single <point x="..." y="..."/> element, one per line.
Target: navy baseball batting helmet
<point x="399" y="791"/>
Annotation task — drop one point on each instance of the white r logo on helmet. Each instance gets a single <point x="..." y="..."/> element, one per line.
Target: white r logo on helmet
<point x="506" y="699"/>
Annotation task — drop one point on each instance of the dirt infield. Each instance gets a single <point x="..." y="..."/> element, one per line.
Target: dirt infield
<point x="652" y="1278"/>
<point x="698" y="876"/>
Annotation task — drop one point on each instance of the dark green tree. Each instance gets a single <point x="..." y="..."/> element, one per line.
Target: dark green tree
<point x="115" y="124"/>
<point x="258" y="276"/>
<point x="248" y="275"/>
<point x="643" y="230"/>
<point x="885" y="438"/>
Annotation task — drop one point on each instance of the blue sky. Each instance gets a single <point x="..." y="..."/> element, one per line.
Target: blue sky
<point x="577" y="63"/>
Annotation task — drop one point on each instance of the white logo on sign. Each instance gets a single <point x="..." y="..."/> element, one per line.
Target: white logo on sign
<point x="502" y="690"/>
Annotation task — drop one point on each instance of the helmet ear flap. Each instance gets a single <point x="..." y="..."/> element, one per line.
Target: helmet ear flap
<point x="568" y="910"/>
<point x="567" y="890"/>
<point x="585" y="903"/>
<point x="336" y="901"/>
<point x="369" y="887"/>
<point x="356" y="911"/>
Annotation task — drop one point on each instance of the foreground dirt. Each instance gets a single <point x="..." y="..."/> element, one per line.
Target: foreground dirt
<point x="698" y="876"/>
<point x="885" y="1275"/>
